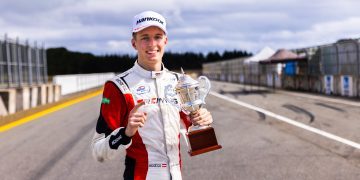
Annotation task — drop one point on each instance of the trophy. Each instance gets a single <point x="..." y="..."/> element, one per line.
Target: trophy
<point x="192" y="94"/>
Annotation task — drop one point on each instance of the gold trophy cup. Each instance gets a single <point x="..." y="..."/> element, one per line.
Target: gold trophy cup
<point x="192" y="95"/>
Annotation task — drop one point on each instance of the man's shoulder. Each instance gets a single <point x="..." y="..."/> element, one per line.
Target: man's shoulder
<point x="121" y="76"/>
<point x="174" y="74"/>
<point x="124" y="74"/>
<point x="120" y="81"/>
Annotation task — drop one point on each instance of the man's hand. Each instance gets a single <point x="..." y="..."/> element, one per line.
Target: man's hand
<point x="136" y="120"/>
<point x="201" y="117"/>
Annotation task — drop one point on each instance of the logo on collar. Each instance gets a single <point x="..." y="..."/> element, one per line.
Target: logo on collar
<point x="143" y="89"/>
<point x="155" y="74"/>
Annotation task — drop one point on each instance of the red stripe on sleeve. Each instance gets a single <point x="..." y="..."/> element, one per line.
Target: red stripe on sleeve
<point x="186" y="119"/>
<point x="115" y="110"/>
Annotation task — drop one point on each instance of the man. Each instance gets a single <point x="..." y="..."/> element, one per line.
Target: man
<point x="140" y="110"/>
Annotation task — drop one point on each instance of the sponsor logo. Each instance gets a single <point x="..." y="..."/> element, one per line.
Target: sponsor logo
<point x="142" y="90"/>
<point x="155" y="74"/>
<point x="172" y="101"/>
<point x="158" y="165"/>
<point x="123" y="86"/>
<point x="116" y="140"/>
<point x="149" y="19"/>
<point x="105" y="100"/>
<point x="169" y="91"/>
<point x="120" y="82"/>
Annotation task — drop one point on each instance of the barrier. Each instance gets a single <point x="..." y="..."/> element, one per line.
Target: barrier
<point x="79" y="82"/>
<point x="23" y="98"/>
<point x="332" y="69"/>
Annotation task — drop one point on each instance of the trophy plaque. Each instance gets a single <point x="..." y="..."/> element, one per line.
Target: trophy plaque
<point x="192" y="94"/>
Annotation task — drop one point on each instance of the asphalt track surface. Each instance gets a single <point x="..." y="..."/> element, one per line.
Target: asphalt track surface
<point x="255" y="146"/>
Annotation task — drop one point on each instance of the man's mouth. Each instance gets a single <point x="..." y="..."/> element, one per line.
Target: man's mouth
<point x="152" y="51"/>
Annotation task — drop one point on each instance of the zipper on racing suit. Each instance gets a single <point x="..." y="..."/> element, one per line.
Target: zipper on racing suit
<point x="158" y="93"/>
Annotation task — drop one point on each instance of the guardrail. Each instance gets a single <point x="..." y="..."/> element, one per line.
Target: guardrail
<point x="79" y="82"/>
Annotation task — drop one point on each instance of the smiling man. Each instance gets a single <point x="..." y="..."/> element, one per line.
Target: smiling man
<point x="140" y="110"/>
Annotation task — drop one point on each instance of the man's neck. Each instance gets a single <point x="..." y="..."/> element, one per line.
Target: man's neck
<point x="151" y="67"/>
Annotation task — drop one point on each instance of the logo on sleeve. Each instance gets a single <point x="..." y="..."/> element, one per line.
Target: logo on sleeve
<point x="105" y="100"/>
<point x="116" y="140"/>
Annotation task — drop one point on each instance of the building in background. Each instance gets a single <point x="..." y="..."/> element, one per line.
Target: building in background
<point x="331" y="69"/>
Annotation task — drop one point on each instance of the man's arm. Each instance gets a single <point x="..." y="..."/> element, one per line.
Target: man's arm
<point x="109" y="135"/>
<point x="185" y="119"/>
<point x="201" y="117"/>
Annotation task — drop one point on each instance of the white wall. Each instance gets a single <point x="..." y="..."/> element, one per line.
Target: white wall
<point x="79" y="82"/>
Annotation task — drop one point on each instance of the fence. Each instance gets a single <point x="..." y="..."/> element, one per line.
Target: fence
<point x="79" y="82"/>
<point x="21" y="64"/>
<point x="330" y="69"/>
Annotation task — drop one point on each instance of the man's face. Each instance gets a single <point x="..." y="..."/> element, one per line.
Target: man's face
<point x="150" y="44"/>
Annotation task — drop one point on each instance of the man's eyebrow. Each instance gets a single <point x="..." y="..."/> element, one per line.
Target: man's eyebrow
<point x="145" y="35"/>
<point x="142" y="35"/>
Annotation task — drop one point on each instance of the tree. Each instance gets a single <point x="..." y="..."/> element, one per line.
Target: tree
<point x="62" y="61"/>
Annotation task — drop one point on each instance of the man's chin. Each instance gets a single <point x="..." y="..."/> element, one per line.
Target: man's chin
<point x="153" y="59"/>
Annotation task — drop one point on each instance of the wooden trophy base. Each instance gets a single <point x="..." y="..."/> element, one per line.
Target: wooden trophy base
<point x="202" y="141"/>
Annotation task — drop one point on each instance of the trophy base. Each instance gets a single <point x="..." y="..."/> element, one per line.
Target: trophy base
<point x="202" y="141"/>
<point x="205" y="150"/>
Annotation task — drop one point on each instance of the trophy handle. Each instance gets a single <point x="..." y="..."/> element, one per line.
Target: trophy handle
<point x="205" y="85"/>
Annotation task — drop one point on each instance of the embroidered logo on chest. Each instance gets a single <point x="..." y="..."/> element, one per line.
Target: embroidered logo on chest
<point x="143" y="89"/>
<point x="169" y="91"/>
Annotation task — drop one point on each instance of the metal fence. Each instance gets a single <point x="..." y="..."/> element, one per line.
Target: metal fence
<point x="21" y="64"/>
<point x="331" y="69"/>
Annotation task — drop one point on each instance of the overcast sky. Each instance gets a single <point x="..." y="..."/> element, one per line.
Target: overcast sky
<point x="104" y="26"/>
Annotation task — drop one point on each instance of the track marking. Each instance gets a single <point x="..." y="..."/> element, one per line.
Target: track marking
<point x="290" y="121"/>
<point x="48" y="111"/>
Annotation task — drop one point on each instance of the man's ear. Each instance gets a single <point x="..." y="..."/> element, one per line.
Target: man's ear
<point x="133" y="43"/>
<point x="166" y="40"/>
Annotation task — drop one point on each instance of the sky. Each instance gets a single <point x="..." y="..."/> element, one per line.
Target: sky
<point x="104" y="26"/>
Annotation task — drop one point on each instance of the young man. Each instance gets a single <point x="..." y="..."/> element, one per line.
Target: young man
<point x="140" y="111"/>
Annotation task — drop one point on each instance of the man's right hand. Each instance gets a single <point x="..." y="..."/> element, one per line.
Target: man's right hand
<point x="136" y="120"/>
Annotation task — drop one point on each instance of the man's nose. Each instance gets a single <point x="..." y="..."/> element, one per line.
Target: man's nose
<point x="152" y="42"/>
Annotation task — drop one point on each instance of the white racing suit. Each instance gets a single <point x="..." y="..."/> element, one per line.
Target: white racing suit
<point x="154" y="151"/>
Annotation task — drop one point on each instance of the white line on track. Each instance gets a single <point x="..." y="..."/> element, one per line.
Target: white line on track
<point x="290" y="121"/>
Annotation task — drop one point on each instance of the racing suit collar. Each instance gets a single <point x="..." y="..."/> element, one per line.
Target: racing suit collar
<point x="148" y="74"/>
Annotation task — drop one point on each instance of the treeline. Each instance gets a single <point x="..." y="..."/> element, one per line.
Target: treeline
<point x="62" y="61"/>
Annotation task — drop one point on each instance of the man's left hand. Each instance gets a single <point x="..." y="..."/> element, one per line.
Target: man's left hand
<point x="201" y="117"/>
